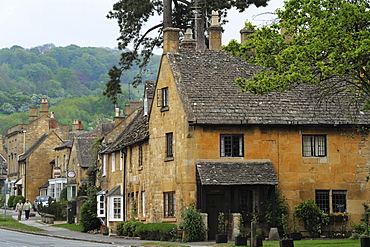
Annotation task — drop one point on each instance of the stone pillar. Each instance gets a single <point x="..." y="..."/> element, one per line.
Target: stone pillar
<point x="205" y="221"/>
<point x="253" y="234"/>
<point x="234" y="225"/>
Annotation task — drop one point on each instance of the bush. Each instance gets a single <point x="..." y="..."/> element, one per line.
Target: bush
<point x="63" y="194"/>
<point x="128" y="228"/>
<point x="10" y="201"/>
<point x="156" y="231"/>
<point x="17" y="198"/>
<point x="193" y="224"/>
<point x="88" y="218"/>
<point x="312" y="216"/>
<point x="58" y="209"/>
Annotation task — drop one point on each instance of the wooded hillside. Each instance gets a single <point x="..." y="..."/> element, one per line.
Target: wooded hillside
<point x="71" y="77"/>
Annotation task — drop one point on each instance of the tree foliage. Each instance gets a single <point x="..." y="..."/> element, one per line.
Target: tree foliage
<point x="325" y="43"/>
<point x="132" y="15"/>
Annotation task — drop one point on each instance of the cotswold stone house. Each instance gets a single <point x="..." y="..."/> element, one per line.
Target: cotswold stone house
<point x="228" y="151"/>
<point x="20" y="144"/>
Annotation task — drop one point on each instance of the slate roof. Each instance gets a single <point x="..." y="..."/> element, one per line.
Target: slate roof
<point x="85" y="158"/>
<point x="33" y="147"/>
<point x="115" y="191"/>
<point x="205" y="81"/>
<point x="136" y="131"/>
<point x="244" y="172"/>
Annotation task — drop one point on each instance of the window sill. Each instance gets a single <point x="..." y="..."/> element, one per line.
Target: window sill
<point x="164" y="108"/>
<point x="169" y="219"/>
<point x="169" y="159"/>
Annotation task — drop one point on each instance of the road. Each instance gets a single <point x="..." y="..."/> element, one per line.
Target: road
<point x="18" y="239"/>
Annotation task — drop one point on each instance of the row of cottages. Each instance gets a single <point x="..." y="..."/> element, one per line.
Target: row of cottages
<point x="203" y="140"/>
<point x="44" y="156"/>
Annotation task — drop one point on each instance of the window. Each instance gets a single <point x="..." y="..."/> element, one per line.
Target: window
<point x="169" y="144"/>
<point x="338" y="201"/>
<point x="162" y="97"/>
<point x="140" y="156"/>
<point x="169" y="204"/>
<point x="232" y="145"/>
<point x="104" y="165"/>
<point x="115" y="208"/>
<point x="101" y="205"/>
<point x="143" y="204"/>
<point x="113" y="162"/>
<point x="246" y="201"/>
<point x="314" y="145"/>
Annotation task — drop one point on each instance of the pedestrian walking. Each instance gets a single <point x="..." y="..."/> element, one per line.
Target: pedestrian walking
<point x="27" y="207"/>
<point x="19" y="209"/>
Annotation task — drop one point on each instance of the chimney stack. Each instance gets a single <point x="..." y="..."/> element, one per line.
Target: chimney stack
<point x="75" y="125"/>
<point x="215" y="33"/>
<point x="171" y="39"/>
<point x="33" y="113"/>
<point x="188" y="42"/>
<point x="44" y="107"/>
<point x="244" y="33"/>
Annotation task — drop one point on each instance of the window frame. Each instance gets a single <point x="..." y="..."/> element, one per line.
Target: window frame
<point x="330" y="199"/>
<point x="169" y="145"/>
<point x="112" y="208"/>
<point x="232" y="143"/>
<point x="100" y="206"/>
<point x="312" y="147"/>
<point x="169" y="204"/>
<point x="162" y="97"/>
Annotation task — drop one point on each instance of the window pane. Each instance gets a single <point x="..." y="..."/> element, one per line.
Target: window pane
<point x="322" y="200"/>
<point x="339" y="201"/>
<point x="169" y="204"/>
<point x="231" y="145"/>
<point x="169" y="145"/>
<point x="116" y="208"/>
<point x="314" y="145"/>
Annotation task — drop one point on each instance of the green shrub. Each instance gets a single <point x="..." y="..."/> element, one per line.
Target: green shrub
<point x="63" y="194"/>
<point x="157" y="231"/>
<point x="17" y="198"/>
<point x="127" y="228"/>
<point x="10" y="201"/>
<point x="312" y="216"/>
<point x="58" y="209"/>
<point x="193" y="224"/>
<point x="88" y="218"/>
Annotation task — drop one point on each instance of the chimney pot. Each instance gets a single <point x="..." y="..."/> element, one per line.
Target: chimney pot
<point x="188" y="42"/>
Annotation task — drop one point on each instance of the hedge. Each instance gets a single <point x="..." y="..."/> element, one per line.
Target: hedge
<point x="157" y="231"/>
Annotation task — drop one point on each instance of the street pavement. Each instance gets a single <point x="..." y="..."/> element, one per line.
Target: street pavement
<point x="59" y="232"/>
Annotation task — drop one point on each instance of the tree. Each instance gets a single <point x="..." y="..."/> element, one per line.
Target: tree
<point x="324" y="43"/>
<point x="132" y="15"/>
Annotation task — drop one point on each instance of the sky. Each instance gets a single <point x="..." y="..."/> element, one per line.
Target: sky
<point x="30" y="23"/>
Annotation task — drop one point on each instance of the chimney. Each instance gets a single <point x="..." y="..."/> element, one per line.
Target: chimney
<point x="118" y="116"/>
<point x="215" y="32"/>
<point x="244" y="33"/>
<point x="188" y="42"/>
<point x="171" y="39"/>
<point x="33" y="113"/>
<point x="44" y="107"/>
<point x="80" y="128"/>
<point x="75" y="125"/>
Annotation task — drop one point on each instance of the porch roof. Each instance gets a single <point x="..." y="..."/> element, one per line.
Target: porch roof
<point x="241" y="172"/>
<point x="116" y="191"/>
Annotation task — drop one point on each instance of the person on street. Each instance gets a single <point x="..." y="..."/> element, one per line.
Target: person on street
<point x="19" y="208"/>
<point x="27" y="207"/>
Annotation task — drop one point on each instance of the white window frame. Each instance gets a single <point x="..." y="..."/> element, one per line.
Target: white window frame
<point x="113" y="156"/>
<point x="112" y="215"/>
<point x="120" y="160"/>
<point x="104" y="165"/>
<point x="100" y="206"/>
<point x="143" y="204"/>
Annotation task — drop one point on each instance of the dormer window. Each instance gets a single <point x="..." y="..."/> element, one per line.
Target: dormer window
<point x="162" y="98"/>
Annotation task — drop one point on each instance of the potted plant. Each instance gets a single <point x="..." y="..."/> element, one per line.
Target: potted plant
<point x="365" y="239"/>
<point x="285" y="242"/>
<point x="295" y="234"/>
<point x="221" y="237"/>
<point x="241" y="239"/>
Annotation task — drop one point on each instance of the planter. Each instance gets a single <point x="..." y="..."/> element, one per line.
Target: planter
<point x="338" y="218"/>
<point x="221" y="238"/>
<point x="259" y="241"/>
<point x="241" y="240"/>
<point x="104" y="230"/>
<point x="287" y="243"/>
<point x="295" y="235"/>
<point x="365" y="241"/>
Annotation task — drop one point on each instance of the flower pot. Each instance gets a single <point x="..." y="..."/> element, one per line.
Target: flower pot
<point x="287" y="243"/>
<point x="241" y="240"/>
<point x="295" y="235"/>
<point x="221" y="238"/>
<point x="365" y="241"/>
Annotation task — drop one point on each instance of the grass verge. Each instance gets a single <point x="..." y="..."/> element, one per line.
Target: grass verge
<point x="72" y="227"/>
<point x="10" y="223"/>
